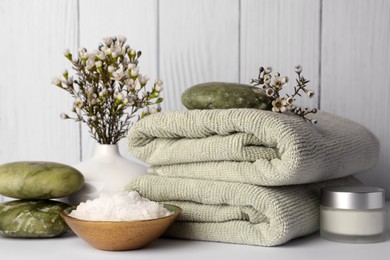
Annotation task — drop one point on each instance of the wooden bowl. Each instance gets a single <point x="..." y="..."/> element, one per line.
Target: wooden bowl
<point x="122" y="235"/>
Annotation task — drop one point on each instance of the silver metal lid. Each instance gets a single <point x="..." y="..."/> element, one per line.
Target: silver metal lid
<point x="353" y="197"/>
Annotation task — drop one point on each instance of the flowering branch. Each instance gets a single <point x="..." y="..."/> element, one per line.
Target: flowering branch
<point x="109" y="92"/>
<point x="281" y="105"/>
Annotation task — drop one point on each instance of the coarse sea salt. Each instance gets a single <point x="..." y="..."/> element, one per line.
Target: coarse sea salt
<point x="123" y="206"/>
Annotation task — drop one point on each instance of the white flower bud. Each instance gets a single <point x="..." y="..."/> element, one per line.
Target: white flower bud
<point x="267" y="79"/>
<point x="90" y="90"/>
<point x="268" y="70"/>
<point x="66" y="52"/>
<point x="120" y="96"/>
<point x="98" y="64"/>
<point x="103" y="92"/>
<point x="70" y="81"/>
<point x="111" y="68"/>
<point x="108" y="51"/>
<point x="298" y="69"/>
<point x="143" y="79"/>
<point x="158" y="85"/>
<point x="310" y="93"/>
<point x="56" y="81"/>
<point x="130" y="101"/>
<point x="64" y="116"/>
<point x="153" y="110"/>
<point x="122" y="39"/>
<point x="129" y="81"/>
<point x="90" y="64"/>
<point x="284" y="80"/>
<point x="129" y="87"/>
<point x="118" y="74"/>
<point x="131" y="66"/>
<point x="84" y="55"/>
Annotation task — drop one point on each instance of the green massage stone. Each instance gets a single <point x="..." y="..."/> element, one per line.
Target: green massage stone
<point x="32" y="219"/>
<point x="39" y="180"/>
<point x="220" y="95"/>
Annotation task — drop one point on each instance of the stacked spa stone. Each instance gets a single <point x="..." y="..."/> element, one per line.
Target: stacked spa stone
<point x="34" y="184"/>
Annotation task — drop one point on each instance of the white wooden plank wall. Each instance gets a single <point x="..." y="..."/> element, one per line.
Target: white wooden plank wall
<point x="356" y="71"/>
<point x="342" y="45"/>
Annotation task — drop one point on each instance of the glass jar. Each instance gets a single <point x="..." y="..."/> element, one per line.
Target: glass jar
<point x="353" y="214"/>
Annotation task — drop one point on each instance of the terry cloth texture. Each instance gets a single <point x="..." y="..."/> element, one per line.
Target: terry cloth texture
<point x="237" y="212"/>
<point x="252" y="146"/>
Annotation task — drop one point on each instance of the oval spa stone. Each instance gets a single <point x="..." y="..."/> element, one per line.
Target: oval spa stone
<point x="32" y="219"/>
<point x="221" y="95"/>
<point x="39" y="180"/>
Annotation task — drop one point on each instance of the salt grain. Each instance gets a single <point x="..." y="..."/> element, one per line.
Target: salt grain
<point x="124" y="206"/>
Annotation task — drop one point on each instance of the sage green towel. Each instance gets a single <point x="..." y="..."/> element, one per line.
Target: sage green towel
<point x="252" y="146"/>
<point x="237" y="212"/>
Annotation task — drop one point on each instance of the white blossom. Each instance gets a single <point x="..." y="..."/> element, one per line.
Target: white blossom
<point x="284" y="80"/>
<point x="108" y="51"/>
<point x="107" y="40"/>
<point x="122" y="39"/>
<point x="130" y="101"/>
<point x="267" y="79"/>
<point x="78" y="103"/>
<point x="120" y="96"/>
<point x="134" y="72"/>
<point x="118" y="74"/>
<point x="98" y="64"/>
<point x="129" y="81"/>
<point x="111" y="68"/>
<point x="270" y="92"/>
<point x="279" y="105"/>
<point x="90" y="64"/>
<point x="100" y="55"/>
<point x="129" y="87"/>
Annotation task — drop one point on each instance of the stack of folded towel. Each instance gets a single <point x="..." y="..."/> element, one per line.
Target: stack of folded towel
<point x="247" y="176"/>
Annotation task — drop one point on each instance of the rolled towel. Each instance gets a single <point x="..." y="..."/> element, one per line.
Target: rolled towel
<point x="252" y="146"/>
<point x="236" y="212"/>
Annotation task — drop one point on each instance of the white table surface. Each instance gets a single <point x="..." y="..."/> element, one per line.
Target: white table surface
<point x="310" y="247"/>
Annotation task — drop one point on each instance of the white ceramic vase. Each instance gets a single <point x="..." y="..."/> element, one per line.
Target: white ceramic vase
<point x="107" y="171"/>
